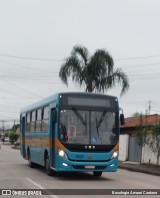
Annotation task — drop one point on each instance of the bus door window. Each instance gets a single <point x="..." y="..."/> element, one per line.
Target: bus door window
<point x="63" y="126"/>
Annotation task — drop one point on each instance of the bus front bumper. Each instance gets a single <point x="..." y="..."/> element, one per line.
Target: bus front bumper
<point x="65" y="164"/>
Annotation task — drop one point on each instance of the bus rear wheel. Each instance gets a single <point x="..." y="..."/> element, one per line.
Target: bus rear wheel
<point x="97" y="173"/>
<point x="47" y="166"/>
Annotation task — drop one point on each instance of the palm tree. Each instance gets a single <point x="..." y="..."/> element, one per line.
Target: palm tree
<point x="96" y="71"/>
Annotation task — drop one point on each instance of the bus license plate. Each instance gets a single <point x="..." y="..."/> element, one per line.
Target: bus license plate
<point x="89" y="167"/>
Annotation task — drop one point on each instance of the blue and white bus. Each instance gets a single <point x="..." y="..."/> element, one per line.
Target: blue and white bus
<point x="72" y="132"/>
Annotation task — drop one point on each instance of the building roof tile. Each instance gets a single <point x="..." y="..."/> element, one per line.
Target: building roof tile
<point x="141" y="120"/>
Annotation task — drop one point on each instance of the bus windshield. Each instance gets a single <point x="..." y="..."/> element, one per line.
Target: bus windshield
<point x="88" y="127"/>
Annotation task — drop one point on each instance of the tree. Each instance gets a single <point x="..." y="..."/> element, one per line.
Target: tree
<point x="155" y="141"/>
<point x="15" y="127"/>
<point x="13" y="137"/>
<point x="136" y="114"/>
<point x="142" y="133"/>
<point x="96" y="72"/>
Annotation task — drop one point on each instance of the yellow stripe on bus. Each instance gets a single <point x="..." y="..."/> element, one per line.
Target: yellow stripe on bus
<point x="42" y="142"/>
<point x="116" y="147"/>
<point x="47" y="142"/>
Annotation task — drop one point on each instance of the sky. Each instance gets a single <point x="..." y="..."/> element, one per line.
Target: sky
<point x="37" y="35"/>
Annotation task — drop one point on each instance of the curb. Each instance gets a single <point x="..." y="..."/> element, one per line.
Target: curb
<point x="151" y="172"/>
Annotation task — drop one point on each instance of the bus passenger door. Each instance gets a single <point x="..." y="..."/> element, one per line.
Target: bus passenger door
<point x="23" y="152"/>
<point x="53" y="128"/>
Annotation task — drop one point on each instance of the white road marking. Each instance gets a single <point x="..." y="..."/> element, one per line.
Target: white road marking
<point x="41" y="187"/>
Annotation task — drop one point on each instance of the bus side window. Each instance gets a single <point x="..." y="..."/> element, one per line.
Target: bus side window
<point x="33" y="120"/>
<point x="45" y="118"/>
<point x="28" y="122"/>
<point x="38" y="119"/>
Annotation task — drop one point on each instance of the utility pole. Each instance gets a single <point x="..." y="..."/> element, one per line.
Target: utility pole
<point x="149" y="107"/>
<point x="14" y="127"/>
<point x="3" y="126"/>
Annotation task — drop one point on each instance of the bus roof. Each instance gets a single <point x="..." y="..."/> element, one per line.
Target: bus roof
<point x="53" y="98"/>
<point x="40" y="103"/>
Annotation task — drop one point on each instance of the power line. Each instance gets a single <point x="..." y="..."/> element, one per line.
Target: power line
<point x="136" y="58"/>
<point x="31" y="58"/>
<point x="143" y="65"/>
<point x="20" y="87"/>
<point x="155" y="110"/>
<point x="24" y="66"/>
<point x="59" y="60"/>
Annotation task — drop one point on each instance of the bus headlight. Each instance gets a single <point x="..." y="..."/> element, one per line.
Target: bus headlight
<point x="114" y="155"/>
<point x="61" y="153"/>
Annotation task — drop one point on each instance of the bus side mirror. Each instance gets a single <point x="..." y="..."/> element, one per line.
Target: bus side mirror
<point x="54" y="116"/>
<point x="122" y="120"/>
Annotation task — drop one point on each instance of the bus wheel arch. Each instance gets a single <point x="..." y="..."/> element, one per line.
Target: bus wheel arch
<point x="47" y="164"/>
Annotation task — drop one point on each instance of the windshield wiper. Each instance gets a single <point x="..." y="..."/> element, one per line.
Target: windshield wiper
<point x="79" y="116"/>
<point x="97" y="128"/>
<point x="101" y="119"/>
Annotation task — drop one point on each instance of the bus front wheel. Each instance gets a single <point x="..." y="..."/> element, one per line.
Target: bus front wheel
<point x="31" y="164"/>
<point x="97" y="173"/>
<point x="47" y="166"/>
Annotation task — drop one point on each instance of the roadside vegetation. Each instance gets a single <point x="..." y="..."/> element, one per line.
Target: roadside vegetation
<point x="149" y="135"/>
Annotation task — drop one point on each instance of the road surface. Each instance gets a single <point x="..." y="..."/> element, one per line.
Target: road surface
<point x="16" y="174"/>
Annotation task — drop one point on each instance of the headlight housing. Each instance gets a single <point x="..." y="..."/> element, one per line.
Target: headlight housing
<point x="61" y="153"/>
<point x="114" y="155"/>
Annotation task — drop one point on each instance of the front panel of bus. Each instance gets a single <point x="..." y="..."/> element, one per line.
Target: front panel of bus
<point x="88" y="133"/>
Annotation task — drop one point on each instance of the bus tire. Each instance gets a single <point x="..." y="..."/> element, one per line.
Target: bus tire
<point x="31" y="164"/>
<point x="47" y="166"/>
<point x="97" y="173"/>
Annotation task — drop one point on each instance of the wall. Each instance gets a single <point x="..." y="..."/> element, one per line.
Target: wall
<point x="147" y="155"/>
<point x="123" y="147"/>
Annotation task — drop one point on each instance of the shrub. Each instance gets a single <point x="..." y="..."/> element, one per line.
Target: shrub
<point x="13" y="137"/>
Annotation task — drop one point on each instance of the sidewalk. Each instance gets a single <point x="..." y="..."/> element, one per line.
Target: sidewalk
<point x="143" y="168"/>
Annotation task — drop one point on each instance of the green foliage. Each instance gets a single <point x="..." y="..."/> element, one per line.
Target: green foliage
<point x="13" y="137"/>
<point x="142" y="133"/>
<point x="136" y="114"/>
<point x="96" y="72"/>
<point x="6" y="134"/>
<point x="149" y="135"/>
<point x="15" y="127"/>
<point x="155" y="141"/>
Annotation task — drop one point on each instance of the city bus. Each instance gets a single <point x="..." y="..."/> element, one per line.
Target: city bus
<point x="72" y="132"/>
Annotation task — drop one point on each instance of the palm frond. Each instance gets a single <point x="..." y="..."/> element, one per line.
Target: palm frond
<point x="101" y="62"/>
<point x="121" y="78"/>
<point x="71" y="66"/>
<point x="82" y="52"/>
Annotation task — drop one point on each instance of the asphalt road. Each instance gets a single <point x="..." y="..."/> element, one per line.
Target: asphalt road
<point x="16" y="174"/>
